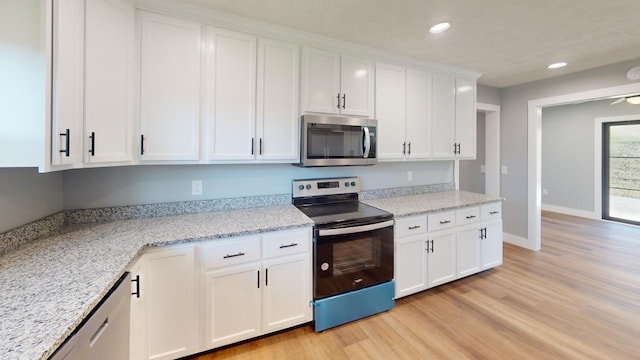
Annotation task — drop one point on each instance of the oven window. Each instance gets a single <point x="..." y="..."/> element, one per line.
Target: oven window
<point x="356" y="255"/>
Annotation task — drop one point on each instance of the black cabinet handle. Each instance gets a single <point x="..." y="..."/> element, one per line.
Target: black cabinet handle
<point x="409" y="145"/>
<point x="431" y="245"/>
<point x="258" y="279"/>
<point x="414" y="227"/>
<point x="266" y="277"/>
<point x="404" y="148"/>
<point x="92" y="148"/>
<point x="137" y="281"/>
<point x="444" y="222"/>
<point x="260" y="147"/>
<point x="338" y="100"/>
<point x="344" y="100"/>
<point x="67" y="135"/>
<point x="141" y="144"/>
<point x="233" y="255"/>
<point x="288" y="246"/>
<point x="252" y="145"/>
<point x="494" y="212"/>
<point x="471" y="216"/>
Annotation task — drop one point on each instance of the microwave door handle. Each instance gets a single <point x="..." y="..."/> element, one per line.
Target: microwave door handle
<point x="367" y="142"/>
<point x="355" y="229"/>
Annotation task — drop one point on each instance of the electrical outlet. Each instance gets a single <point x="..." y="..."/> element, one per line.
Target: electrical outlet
<point x="504" y="170"/>
<point x="545" y="192"/>
<point x="196" y="187"/>
<point x="409" y="175"/>
<point x="483" y="169"/>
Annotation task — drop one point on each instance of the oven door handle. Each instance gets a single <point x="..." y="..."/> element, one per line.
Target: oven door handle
<point x="355" y="229"/>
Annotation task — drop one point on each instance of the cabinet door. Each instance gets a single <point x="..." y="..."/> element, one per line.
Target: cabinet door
<point x="67" y="82"/>
<point x="418" y="114"/>
<point x="492" y="245"/>
<point x="287" y="292"/>
<point x="169" y="303"/>
<point x="466" y="118"/>
<point x="109" y="72"/>
<point x="410" y="271"/>
<point x="277" y="106"/>
<point x="232" y="305"/>
<point x="170" y="88"/>
<point x="442" y="116"/>
<point x="320" y="81"/>
<point x="356" y="83"/>
<point x="233" y="75"/>
<point x="390" y="111"/>
<point x="468" y="251"/>
<point x="441" y="261"/>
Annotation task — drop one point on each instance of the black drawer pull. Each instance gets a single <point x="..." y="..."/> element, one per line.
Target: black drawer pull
<point x="444" y="222"/>
<point x="288" y="246"/>
<point x="471" y="216"/>
<point x="494" y="212"/>
<point x="414" y="227"/>
<point x="234" y="255"/>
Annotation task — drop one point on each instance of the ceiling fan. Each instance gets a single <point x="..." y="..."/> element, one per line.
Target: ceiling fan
<point x="631" y="99"/>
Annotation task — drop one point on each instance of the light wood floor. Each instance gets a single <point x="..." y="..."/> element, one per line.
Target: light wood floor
<point x="578" y="298"/>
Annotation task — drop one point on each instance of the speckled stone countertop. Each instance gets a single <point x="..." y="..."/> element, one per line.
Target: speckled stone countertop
<point x="430" y="202"/>
<point x="50" y="285"/>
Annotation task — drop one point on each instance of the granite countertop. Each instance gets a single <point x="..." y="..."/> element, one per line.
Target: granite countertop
<point x="402" y="206"/>
<point x="50" y="285"/>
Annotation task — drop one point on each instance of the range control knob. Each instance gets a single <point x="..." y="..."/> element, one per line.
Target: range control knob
<point x="308" y="186"/>
<point x="300" y="187"/>
<point x="346" y="184"/>
<point x="353" y="183"/>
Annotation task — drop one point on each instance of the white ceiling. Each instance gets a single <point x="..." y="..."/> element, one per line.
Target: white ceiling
<point x="509" y="41"/>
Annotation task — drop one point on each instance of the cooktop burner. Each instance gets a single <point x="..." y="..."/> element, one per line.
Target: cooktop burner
<point x="334" y="203"/>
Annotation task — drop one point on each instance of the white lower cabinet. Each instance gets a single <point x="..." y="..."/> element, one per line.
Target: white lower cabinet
<point x="256" y="285"/>
<point x="163" y="309"/>
<point x="210" y="294"/>
<point x="442" y="247"/>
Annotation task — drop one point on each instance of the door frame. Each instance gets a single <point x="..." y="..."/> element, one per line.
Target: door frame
<point x="534" y="151"/>
<point x="492" y="150"/>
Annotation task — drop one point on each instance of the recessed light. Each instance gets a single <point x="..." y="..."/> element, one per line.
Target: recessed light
<point x="635" y="100"/>
<point x="438" y="28"/>
<point x="557" y="65"/>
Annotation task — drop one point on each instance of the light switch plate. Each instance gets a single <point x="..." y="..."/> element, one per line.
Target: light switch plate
<point x="196" y="187"/>
<point x="504" y="170"/>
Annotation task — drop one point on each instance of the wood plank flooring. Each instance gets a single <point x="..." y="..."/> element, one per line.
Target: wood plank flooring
<point x="577" y="298"/>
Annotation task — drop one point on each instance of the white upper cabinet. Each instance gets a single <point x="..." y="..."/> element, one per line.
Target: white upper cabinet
<point x="231" y="58"/>
<point x="337" y="84"/>
<point x="170" y="88"/>
<point x="67" y="82"/>
<point x="466" y="118"/>
<point x="418" y="115"/>
<point x="390" y="111"/>
<point x="277" y="102"/>
<point x="442" y="116"/>
<point x="109" y="80"/>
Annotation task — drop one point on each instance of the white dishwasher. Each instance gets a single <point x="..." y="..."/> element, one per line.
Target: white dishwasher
<point x="104" y="334"/>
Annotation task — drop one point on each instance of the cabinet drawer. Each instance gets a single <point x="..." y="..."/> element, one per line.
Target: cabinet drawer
<point x="286" y="242"/>
<point x="442" y="221"/>
<point x="411" y="225"/>
<point x="467" y="216"/>
<point x="491" y="211"/>
<point x="231" y="252"/>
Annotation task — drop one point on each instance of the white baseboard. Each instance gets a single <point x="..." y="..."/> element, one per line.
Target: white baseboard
<point x="570" y="211"/>
<point x="517" y="241"/>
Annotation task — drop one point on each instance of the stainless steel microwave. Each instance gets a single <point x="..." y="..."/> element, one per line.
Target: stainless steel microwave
<point x="337" y="141"/>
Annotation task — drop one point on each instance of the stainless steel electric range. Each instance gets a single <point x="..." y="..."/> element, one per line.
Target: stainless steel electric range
<point x="352" y="251"/>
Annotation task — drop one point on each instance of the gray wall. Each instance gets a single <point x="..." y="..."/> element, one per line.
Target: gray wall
<point x="488" y="94"/>
<point x="514" y="131"/>
<point x="568" y="151"/>
<point x="26" y="195"/>
<point x="471" y="179"/>
<point x="22" y="82"/>
<point x="88" y="188"/>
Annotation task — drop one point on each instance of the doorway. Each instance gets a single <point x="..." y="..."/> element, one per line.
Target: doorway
<point x="621" y="171"/>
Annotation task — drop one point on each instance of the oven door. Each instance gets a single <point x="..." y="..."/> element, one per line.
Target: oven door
<point x="352" y="258"/>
